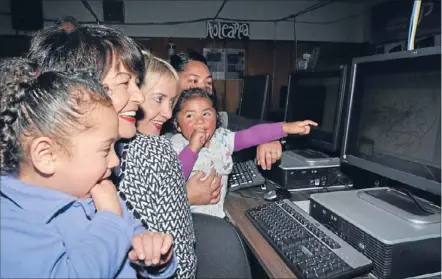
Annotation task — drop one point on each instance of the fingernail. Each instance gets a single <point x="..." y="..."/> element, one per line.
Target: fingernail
<point x="155" y="261"/>
<point x="141" y="256"/>
<point x="148" y="263"/>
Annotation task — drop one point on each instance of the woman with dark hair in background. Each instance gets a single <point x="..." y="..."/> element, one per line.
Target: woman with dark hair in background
<point x="194" y="72"/>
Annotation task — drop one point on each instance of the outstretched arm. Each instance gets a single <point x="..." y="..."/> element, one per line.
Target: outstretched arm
<point x="258" y="134"/>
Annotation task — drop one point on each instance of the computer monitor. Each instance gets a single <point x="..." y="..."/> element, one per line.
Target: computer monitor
<point x="319" y="95"/>
<point x="394" y="121"/>
<point x="255" y="98"/>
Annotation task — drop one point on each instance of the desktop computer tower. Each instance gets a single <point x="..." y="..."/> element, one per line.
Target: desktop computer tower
<point x="399" y="240"/>
<point x="295" y="172"/>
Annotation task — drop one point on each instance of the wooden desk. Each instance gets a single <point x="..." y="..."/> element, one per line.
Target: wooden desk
<point x="236" y="204"/>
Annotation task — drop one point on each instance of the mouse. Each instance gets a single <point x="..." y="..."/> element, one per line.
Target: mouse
<point x="277" y="194"/>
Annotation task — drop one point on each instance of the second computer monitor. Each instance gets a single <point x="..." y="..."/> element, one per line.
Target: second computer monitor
<point x="255" y="99"/>
<point x="319" y="96"/>
<point x="393" y="125"/>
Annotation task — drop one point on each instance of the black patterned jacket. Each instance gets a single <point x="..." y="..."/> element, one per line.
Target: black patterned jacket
<point x="151" y="182"/>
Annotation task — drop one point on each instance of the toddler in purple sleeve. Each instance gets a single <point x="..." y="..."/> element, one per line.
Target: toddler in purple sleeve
<point x="203" y="145"/>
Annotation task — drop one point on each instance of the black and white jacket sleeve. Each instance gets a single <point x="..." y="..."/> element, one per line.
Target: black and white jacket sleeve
<point x="151" y="183"/>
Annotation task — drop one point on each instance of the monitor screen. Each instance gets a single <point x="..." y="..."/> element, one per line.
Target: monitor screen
<point x="395" y="120"/>
<point x="318" y="96"/>
<point x="255" y="99"/>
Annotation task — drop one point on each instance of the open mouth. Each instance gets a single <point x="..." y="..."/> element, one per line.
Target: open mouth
<point x="158" y="124"/>
<point x="128" y="116"/>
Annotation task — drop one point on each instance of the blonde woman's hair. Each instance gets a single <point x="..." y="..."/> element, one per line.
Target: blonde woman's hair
<point x="157" y="68"/>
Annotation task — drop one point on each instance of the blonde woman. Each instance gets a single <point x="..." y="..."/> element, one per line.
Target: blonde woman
<point x="151" y="176"/>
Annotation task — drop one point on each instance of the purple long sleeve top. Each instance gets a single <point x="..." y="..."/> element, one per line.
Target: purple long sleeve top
<point x="252" y="136"/>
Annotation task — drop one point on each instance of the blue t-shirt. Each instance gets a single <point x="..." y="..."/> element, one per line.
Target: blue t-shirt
<point x="47" y="233"/>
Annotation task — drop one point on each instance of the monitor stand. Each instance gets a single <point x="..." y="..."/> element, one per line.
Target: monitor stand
<point x="402" y="205"/>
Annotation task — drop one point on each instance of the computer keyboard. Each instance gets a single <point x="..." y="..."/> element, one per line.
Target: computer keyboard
<point x="245" y="174"/>
<point x="307" y="247"/>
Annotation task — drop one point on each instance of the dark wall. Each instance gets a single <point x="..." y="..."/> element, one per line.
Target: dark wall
<point x="260" y="55"/>
<point x="13" y="45"/>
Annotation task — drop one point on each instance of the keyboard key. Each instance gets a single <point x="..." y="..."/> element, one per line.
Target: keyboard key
<point x="244" y="175"/>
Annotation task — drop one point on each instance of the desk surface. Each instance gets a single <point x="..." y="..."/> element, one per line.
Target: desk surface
<point x="236" y="204"/>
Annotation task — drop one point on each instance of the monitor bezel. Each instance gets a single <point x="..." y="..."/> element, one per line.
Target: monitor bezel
<point x="412" y="180"/>
<point x="266" y="102"/>
<point x="316" y="137"/>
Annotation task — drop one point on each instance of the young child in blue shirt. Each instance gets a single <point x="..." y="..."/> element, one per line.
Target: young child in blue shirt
<point x="60" y="214"/>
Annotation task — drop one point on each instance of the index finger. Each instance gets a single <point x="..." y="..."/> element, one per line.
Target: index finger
<point x="217" y="184"/>
<point x="199" y="175"/>
<point x="212" y="175"/>
<point x="137" y="246"/>
<point x="155" y="246"/>
<point x="310" y="122"/>
<point x="167" y="244"/>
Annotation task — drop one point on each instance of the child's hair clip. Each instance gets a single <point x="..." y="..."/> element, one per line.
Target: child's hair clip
<point x="36" y="73"/>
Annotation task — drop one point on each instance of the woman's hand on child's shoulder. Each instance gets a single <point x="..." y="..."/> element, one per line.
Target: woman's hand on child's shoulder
<point x="105" y="197"/>
<point x="152" y="248"/>
<point x="298" y="127"/>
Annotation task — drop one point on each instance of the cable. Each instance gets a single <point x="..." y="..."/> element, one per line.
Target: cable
<point x="428" y="170"/>
<point x="313" y="7"/>
<point x="410" y="26"/>
<point x="89" y="8"/>
<point x="215" y="17"/>
<point x="405" y="191"/>
<point x="335" y="20"/>
<point x="275" y="29"/>
<point x="289" y="17"/>
<point x="295" y="45"/>
<point x="220" y="9"/>
<point x="414" y="22"/>
<point x="286" y="18"/>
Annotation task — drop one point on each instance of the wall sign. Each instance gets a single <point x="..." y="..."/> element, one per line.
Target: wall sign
<point x="230" y="30"/>
<point x="390" y="20"/>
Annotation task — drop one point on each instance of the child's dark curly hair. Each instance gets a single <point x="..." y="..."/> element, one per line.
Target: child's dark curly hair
<point x="41" y="104"/>
<point x="190" y="94"/>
